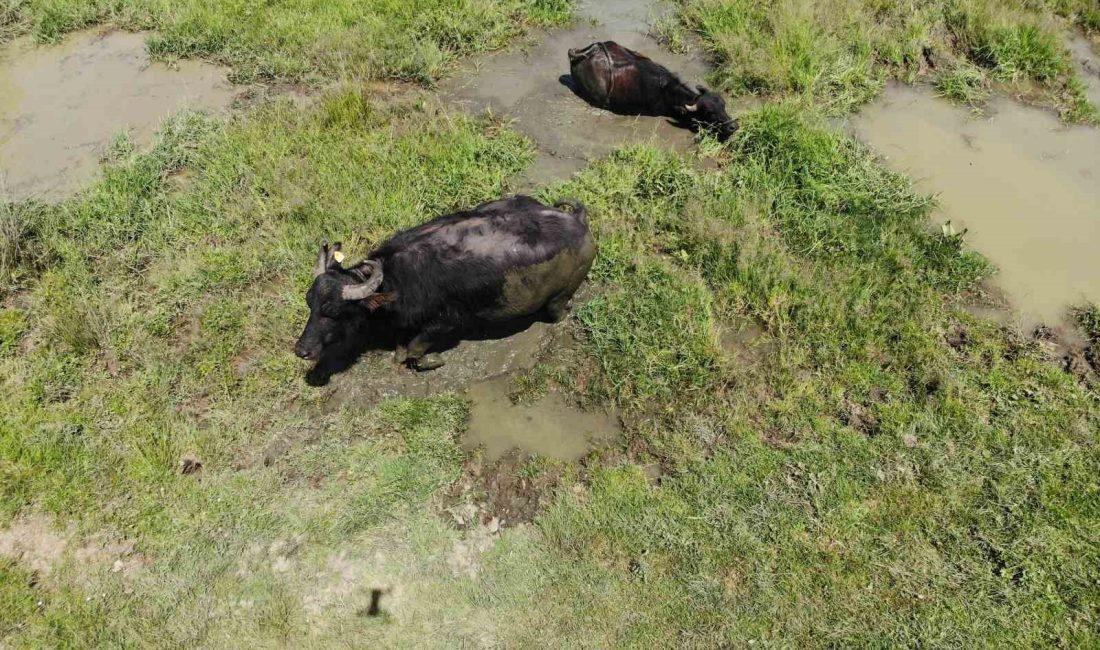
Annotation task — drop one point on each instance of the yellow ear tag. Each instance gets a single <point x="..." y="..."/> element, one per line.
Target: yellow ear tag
<point x="338" y="256"/>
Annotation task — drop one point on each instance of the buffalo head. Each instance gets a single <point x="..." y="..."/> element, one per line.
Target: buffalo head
<point x="708" y="110"/>
<point x="337" y="300"/>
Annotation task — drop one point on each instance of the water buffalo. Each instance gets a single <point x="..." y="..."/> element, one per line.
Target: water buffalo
<point x="499" y="261"/>
<point x="624" y="81"/>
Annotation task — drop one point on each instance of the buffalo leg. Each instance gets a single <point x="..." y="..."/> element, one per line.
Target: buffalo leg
<point x="559" y="307"/>
<point x="417" y="351"/>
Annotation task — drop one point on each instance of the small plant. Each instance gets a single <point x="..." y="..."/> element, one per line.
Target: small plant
<point x="668" y="31"/>
<point x="965" y="84"/>
<point x="12" y="233"/>
<point x="1076" y="107"/>
<point x="10" y="18"/>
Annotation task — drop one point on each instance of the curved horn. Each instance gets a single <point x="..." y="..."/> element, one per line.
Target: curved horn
<point x="369" y="286"/>
<point x="702" y="89"/>
<point x="691" y="108"/>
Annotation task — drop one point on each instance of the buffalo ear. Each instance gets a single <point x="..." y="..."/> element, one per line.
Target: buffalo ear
<point x="328" y="257"/>
<point x="374" y="301"/>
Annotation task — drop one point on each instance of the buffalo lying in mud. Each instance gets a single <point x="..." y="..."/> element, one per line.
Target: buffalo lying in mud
<point x="457" y="273"/>
<point x="624" y="81"/>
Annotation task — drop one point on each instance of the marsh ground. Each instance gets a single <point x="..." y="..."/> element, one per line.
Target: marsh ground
<point x="825" y="439"/>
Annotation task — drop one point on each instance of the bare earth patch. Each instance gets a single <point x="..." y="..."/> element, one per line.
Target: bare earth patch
<point x="33" y="541"/>
<point x="499" y="493"/>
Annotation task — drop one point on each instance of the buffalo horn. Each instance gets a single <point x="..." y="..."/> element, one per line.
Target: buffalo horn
<point x="368" y="287"/>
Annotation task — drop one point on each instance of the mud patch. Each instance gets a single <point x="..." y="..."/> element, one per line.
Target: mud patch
<point x="859" y="417"/>
<point x="375" y="377"/>
<point x="1024" y="185"/>
<point x="119" y="554"/>
<point x="530" y="87"/>
<point x="506" y="491"/>
<point x="549" y="426"/>
<point x="32" y="541"/>
<point x="60" y="106"/>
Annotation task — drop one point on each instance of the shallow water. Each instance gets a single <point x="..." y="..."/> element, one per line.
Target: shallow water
<point x="1087" y="63"/>
<point x="60" y="106"/>
<point x="1026" y="186"/>
<point x="526" y="85"/>
<point x="549" y="426"/>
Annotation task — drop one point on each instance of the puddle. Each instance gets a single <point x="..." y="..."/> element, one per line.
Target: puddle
<point x="549" y="426"/>
<point x="1087" y="63"/>
<point x="1026" y="187"/>
<point x="526" y="85"/>
<point x="61" y="106"/>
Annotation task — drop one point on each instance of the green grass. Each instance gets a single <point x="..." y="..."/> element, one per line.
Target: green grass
<point x="301" y="39"/>
<point x="962" y="518"/>
<point x="837" y="54"/>
<point x="966" y="84"/>
<point x="862" y="482"/>
<point x="144" y="301"/>
<point x="861" y="479"/>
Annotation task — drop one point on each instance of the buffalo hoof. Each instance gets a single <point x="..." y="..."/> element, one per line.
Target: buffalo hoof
<point x="429" y="362"/>
<point x="400" y="354"/>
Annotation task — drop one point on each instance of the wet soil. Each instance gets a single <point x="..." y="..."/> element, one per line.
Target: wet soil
<point x="1025" y="186"/>
<point x="744" y="341"/>
<point x="503" y="491"/>
<point x="62" y="106"/>
<point x="531" y="85"/>
<point x="375" y="377"/>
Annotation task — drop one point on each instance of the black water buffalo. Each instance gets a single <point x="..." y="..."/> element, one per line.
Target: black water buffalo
<point x="499" y="261"/>
<point x="624" y="81"/>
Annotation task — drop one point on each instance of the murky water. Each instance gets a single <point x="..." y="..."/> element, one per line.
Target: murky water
<point x="1087" y="63"/>
<point x="549" y="426"/>
<point x="60" y="106"/>
<point x="1026" y="186"/>
<point x="527" y="85"/>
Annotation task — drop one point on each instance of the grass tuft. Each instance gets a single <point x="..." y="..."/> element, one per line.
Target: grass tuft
<point x="965" y="84"/>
